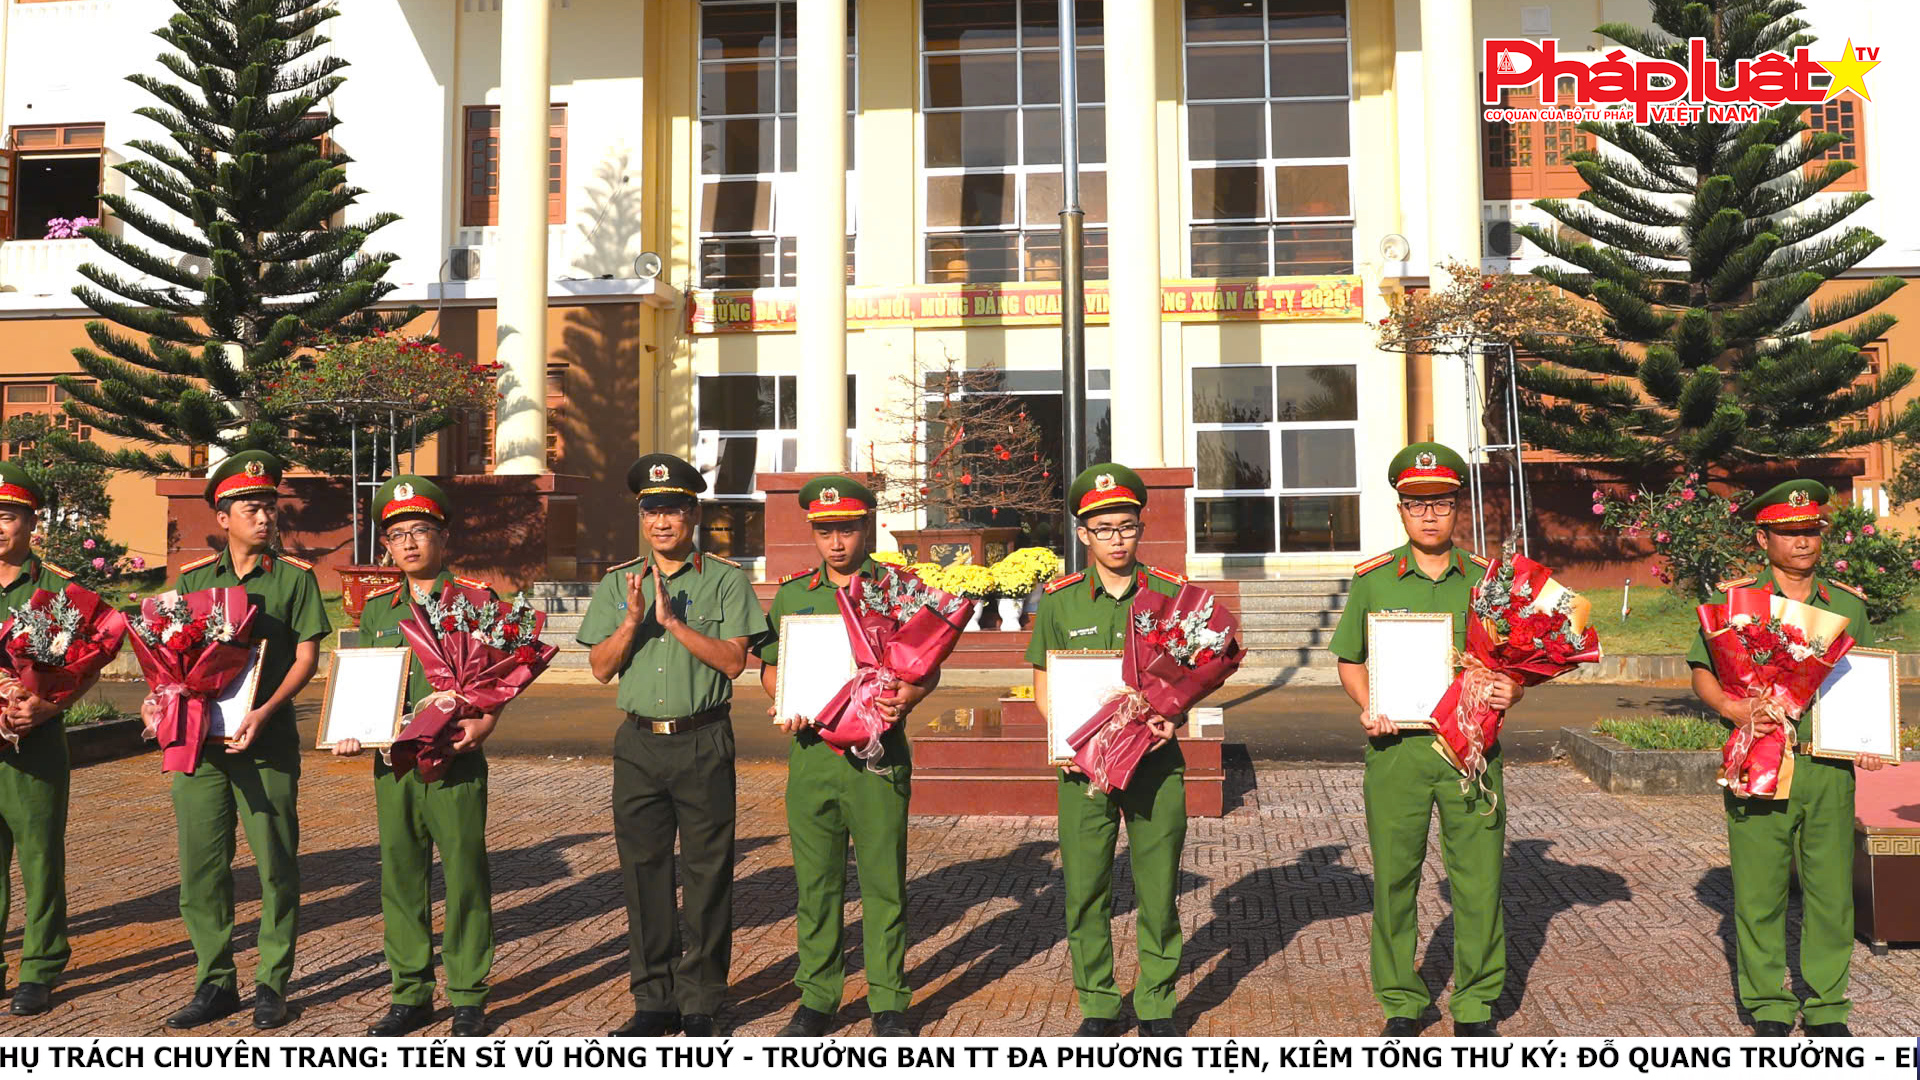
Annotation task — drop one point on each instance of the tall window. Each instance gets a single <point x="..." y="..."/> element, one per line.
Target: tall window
<point x="1269" y="146"/>
<point x="751" y="203"/>
<point x="1528" y="159"/>
<point x="474" y="448"/>
<point x="991" y="97"/>
<point x="1841" y="114"/>
<point x="50" y="173"/>
<point x="1275" y="449"/>
<point x="482" y="169"/>
<point x="36" y="399"/>
<point x="746" y="424"/>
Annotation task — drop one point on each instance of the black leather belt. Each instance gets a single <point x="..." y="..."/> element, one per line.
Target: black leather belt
<point x="676" y="725"/>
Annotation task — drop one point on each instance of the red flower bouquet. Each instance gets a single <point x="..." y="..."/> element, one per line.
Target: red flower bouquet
<point x="478" y="653"/>
<point x="1521" y="624"/>
<point x="900" y="629"/>
<point x="190" y="647"/>
<point x="1179" y="649"/>
<point x="1776" y="652"/>
<point x="55" y="644"/>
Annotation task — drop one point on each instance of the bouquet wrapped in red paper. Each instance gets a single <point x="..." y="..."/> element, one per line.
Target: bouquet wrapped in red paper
<point x="1776" y="652"/>
<point x="190" y="647"/>
<point x="55" y="645"/>
<point x="1179" y="649"/>
<point x="1522" y="624"/>
<point x="900" y="629"/>
<point x="478" y="653"/>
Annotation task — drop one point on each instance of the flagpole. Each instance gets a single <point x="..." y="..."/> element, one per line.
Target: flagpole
<point x="1073" y="288"/>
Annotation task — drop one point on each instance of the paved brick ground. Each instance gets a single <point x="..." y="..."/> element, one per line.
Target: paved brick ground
<point x="1617" y="913"/>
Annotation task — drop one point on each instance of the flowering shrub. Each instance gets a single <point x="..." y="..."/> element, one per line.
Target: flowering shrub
<point x="1698" y="537"/>
<point x="1024" y="570"/>
<point x="1881" y="562"/>
<point x="416" y="375"/>
<point x="68" y="228"/>
<point x="70" y="531"/>
<point x="889" y="558"/>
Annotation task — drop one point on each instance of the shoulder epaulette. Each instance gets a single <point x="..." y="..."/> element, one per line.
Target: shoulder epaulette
<point x="1060" y="583"/>
<point x="384" y="590"/>
<point x="1372" y="564"/>
<point x="1166" y="575"/>
<point x="471" y="583"/>
<point x="797" y="574"/>
<point x="1740" y="582"/>
<point x="1855" y="590"/>
<point x="720" y="558"/>
<point x="198" y="563"/>
<point x="1479" y="561"/>
<point x="629" y="562"/>
<point x="69" y="573"/>
<point x="301" y="563"/>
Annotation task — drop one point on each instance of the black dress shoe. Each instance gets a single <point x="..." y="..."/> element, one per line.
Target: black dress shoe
<point x="269" y="1009"/>
<point x="32" y="999"/>
<point x="892" y="1024"/>
<point x="811" y="1024"/>
<point x="470" y="1022"/>
<point x="1100" y="1027"/>
<point x="1159" y="1029"/>
<point x="1836" y="1030"/>
<point x="401" y="1020"/>
<point x="1474" y="1029"/>
<point x="648" y="1025"/>
<point x="211" y="1002"/>
<point x="1400" y="1027"/>
<point x="696" y="1025"/>
<point x="1772" y="1029"/>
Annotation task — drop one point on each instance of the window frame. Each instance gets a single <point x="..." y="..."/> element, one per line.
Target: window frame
<point x="1857" y="179"/>
<point x="56" y="396"/>
<point x="1538" y="180"/>
<point x="487" y="207"/>
<point x="1269" y="165"/>
<point x="756" y="497"/>
<point x="12" y="154"/>
<point x="1276" y="492"/>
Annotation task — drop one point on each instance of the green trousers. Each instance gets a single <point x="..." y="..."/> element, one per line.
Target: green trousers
<point x="830" y="798"/>
<point x="663" y="786"/>
<point x="34" y="779"/>
<point x="258" y="789"/>
<point x="1764" y="838"/>
<point x="1405" y="780"/>
<point x="415" y="818"/>
<point x="1154" y="807"/>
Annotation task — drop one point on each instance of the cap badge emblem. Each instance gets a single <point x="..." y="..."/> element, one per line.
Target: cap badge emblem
<point x="1103" y="482"/>
<point x="657" y="473"/>
<point x="403" y="492"/>
<point x="254" y="468"/>
<point x="1425" y="460"/>
<point x="1798" y="498"/>
<point x="829" y="496"/>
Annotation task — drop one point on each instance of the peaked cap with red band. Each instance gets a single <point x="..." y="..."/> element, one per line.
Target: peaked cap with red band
<point x="248" y="473"/>
<point x="403" y="497"/>
<point x="1796" y="502"/>
<point x="1105" y="487"/>
<point x="1426" y="468"/>
<point x="19" y="489"/>
<point x="836" y="498"/>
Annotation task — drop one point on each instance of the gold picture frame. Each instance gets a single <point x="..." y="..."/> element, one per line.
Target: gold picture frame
<point x="230" y="707"/>
<point x="1862" y="684"/>
<point x="803" y="686"/>
<point x="1079" y="681"/>
<point x="1418" y="646"/>
<point x="366" y="697"/>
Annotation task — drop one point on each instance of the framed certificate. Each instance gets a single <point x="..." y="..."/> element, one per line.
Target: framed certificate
<point x="1078" y="683"/>
<point x="816" y="660"/>
<point x="1409" y="665"/>
<point x="1858" y="708"/>
<point x="233" y="704"/>
<point x="366" y="696"/>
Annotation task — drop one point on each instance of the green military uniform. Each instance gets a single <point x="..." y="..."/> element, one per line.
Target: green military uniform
<point x="417" y="816"/>
<point x="833" y="796"/>
<point x="260" y="785"/>
<point x="34" y="782"/>
<point x="673" y="761"/>
<point x="1405" y="779"/>
<point x="1813" y="827"/>
<point x="1076" y="613"/>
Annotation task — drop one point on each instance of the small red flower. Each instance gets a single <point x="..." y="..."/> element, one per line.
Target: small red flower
<point x="179" y="642"/>
<point x="449" y="624"/>
<point x="526" y="654"/>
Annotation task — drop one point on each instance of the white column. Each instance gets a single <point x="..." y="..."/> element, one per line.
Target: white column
<point x="821" y="264"/>
<point x="1452" y="137"/>
<point x="520" y="436"/>
<point x="1133" y="231"/>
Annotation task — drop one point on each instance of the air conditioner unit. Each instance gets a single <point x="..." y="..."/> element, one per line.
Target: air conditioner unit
<point x="1504" y="250"/>
<point x="463" y="263"/>
<point x="197" y="265"/>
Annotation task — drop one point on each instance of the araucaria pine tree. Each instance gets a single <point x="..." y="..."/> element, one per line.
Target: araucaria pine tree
<point x="249" y="261"/>
<point x="1711" y="240"/>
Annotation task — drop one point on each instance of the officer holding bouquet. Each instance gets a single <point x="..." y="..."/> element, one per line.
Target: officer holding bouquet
<point x="255" y="777"/>
<point x="415" y="815"/>
<point x="833" y="796"/>
<point x="1406" y="778"/>
<point x="1092" y="610"/>
<point x="34" y="770"/>
<point x="674" y="626"/>
<point x="1813" y="826"/>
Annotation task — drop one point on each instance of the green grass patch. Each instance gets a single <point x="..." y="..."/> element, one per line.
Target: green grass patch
<point x="1665" y="732"/>
<point x="90" y="712"/>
